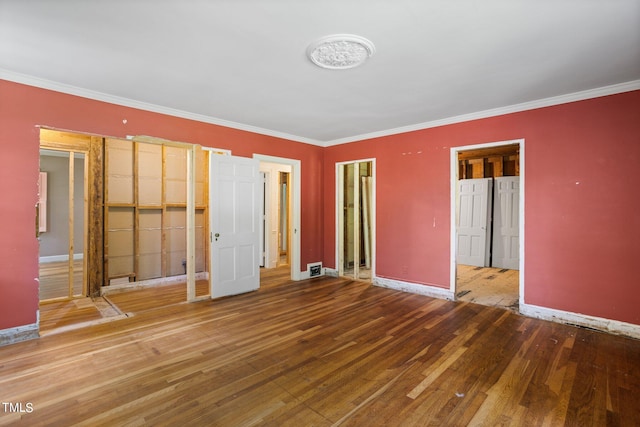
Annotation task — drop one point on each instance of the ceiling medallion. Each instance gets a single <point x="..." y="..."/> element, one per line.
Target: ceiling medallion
<point x="340" y="51"/>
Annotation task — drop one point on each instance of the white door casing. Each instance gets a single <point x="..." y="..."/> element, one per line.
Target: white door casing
<point x="506" y="234"/>
<point x="234" y="201"/>
<point x="294" y="230"/>
<point x="263" y="217"/>
<point x="454" y="188"/>
<point x="474" y="216"/>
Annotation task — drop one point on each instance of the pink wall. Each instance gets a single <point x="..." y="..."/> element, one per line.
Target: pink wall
<point x="582" y="241"/>
<point x="22" y="108"/>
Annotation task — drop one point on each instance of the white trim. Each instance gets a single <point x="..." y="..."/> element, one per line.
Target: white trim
<point x="330" y="272"/>
<point x="453" y="201"/>
<point x="18" y="334"/>
<point x="516" y="108"/>
<point x="296" y="179"/>
<point x="126" y="102"/>
<point x="60" y="258"/>
<point x="599" y="323"/>
<point x="414" y="288"/>
<point x="145" y="106"/>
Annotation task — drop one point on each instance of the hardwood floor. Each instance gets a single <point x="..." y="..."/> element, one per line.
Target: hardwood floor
<point x="323" y="352"/>
<point x="495" y="287"/>
<point x="57" y="314"/>
<point x="54" y="279"/>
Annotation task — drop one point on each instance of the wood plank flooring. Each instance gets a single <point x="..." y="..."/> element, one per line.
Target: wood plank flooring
<point x="323" y="352"/>
<point x="495" y="287"/>
<point x="155" y="296"/>
<point x="57" y="314"/>
<point x="54" y="279"/>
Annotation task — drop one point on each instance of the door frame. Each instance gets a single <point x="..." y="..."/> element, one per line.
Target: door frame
<point x="453" y="207"/>
<point x="339" y="233"/>
<point x="70" y="151"/>
<point x="294" y="224"/>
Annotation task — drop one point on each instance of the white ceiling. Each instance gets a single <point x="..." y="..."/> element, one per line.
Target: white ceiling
<point x="242" y="63"/>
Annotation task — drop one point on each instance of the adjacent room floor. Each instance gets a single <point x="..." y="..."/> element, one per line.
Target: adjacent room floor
<point x="494" y="287"/>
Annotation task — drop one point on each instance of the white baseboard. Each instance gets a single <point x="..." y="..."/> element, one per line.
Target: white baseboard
<point x="330" y="272"/>
<point x="60" y="258"/>
<point x="18" y="334"/>
<point x="414" y="288"/>
<point x="599" y="323"/>
<point x="550" y="314"/>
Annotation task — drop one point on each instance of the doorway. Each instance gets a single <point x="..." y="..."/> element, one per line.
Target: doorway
<point x="355" y="219"/>
<point x="487" y="223"/>
<point x="62" y="231"/>
<point x="284" y="208"/>
<point x="282" y="213"/>
<point x="276" y="231"/>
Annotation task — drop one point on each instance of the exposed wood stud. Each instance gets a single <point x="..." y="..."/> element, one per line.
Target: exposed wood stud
<point x="95" y="215"/>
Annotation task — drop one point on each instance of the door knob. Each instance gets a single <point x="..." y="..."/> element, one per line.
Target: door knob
<point x="216" y="236"/>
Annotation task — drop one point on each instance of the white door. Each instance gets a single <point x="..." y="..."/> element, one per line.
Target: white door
<point x="506" y="248"/>
<point x="234" y="201"/>
<point x="474" y="221"/>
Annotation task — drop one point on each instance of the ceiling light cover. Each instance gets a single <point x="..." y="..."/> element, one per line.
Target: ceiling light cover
<point x="340" y="51"/>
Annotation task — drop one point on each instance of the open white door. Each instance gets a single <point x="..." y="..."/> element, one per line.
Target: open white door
<point x="506" y="237"/>
<point x="234" y="201"/>
<point x="474" y="217"/>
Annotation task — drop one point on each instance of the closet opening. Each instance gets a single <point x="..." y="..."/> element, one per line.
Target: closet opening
<point x="355" y="219"/>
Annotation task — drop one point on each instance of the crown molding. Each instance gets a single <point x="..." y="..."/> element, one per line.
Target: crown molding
<point x="126" y="102"/>
<point x="531" y="105"/>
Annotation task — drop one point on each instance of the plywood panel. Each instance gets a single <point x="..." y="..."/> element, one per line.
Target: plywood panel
<point x="150" y="244"/>
<point x="119" y="163"/>
<point x="120" y="235"/>
<point x="149" y="168"/>
<point x="201" y="176"/>
<point x="201" y="248"/>
<point x="175" y="232"/>
<point x="175" y="175"/>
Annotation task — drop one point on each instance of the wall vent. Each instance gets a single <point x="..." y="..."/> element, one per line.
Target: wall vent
<point x="315" y="269"/>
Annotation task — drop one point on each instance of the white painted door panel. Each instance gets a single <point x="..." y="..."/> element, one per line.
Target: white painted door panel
<point x="234" y="201"/>
<point x="474" y="220"/>
<point x="506" y="248"/>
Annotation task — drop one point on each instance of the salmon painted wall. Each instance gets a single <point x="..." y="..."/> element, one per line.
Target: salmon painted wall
<point x="582" y="203"/>
<point x="23" y="108"/>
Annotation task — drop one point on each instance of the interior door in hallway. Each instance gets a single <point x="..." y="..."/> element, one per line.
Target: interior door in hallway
<point x="234" y="202"/>
<point x="506" y="249"/>
<point x="474" y="221"/>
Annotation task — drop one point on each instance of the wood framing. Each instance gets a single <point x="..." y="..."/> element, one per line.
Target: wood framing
<point x="95" y="216"/>
<point x="90" y="148"/>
